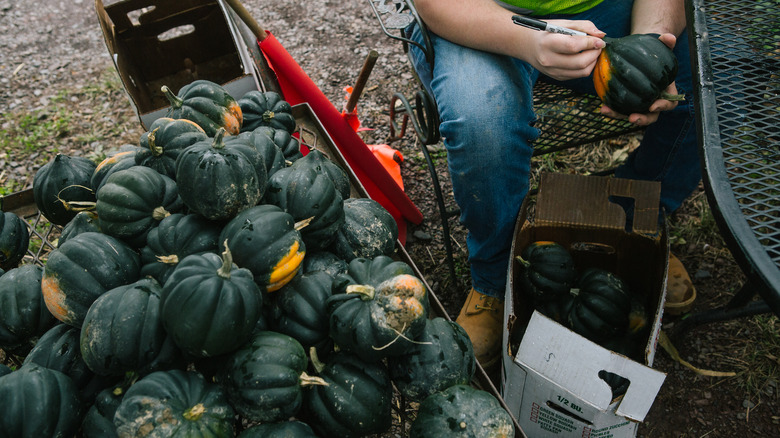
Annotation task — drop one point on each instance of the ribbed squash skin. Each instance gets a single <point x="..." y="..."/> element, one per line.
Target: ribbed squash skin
<point x="124" y="159"/>
<point x="84" y="221"/>
<point x="135" y="200"/>
<point x="601" y="308"/>
<point x="298" y="309"/>
<point x="548" y="271"/>
<point x="162" y="143"/>
<point x="321" y="163"/>
<point x="38" y="402"/>
<point x="632" y="72"/>
<point x="14" y="240"/>
<point x="262" y="379"/>
<point x="370" y="271"/>
<point x="123" y="332"/>
<point x="264" y="240"/>
<point x="443" y="356"/>
<point x="58" y="349"/>
<point x="23" y="314"/>
<point x="324" y="261"/>
<point x="176" y="237"/>
<point x="172" y="404"/>
<point x="461" y="411"/>
<point x="368" y="231"/>
<point x="209" y="305"/>
<point x="82" y="269"/>
<point x="273" y="157"/>
<point x="356" y="402"/>
<point x="61" y="183"/>
<point x="290" y="146"/>
<point x="306" y="193"/>
<point x="216" y="180"/>
<point x="206" y="103"/>
<point x="99" y="419"/>
<point x="266" y="109"/>
<point x="368" y="324"/>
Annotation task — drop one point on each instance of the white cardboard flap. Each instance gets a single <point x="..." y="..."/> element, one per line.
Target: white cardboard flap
<point x="573" y="362"/>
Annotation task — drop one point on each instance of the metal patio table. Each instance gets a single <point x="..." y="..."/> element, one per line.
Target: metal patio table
<point x="735" y="47"/>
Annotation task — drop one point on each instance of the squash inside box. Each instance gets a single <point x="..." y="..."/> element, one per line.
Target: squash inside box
<point x="585" y="367"/>
<point x="155" y="43"/>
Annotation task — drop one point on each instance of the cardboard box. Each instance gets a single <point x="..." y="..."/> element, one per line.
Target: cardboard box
<point x="550" y="376"/>
<point x="155" y="43"/>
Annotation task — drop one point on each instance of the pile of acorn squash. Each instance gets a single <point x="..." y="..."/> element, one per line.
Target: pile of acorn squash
<point x="212" y="281"/>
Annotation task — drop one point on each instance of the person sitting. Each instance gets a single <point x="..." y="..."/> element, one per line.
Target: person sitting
<point x="482" y="81"/>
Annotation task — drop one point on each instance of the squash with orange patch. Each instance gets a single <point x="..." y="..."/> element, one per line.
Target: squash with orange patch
<point x="265" y="239"/>
<point x="206" y="103"/>
<point x="632" y="72"/>
<point x="82" y="269"/>
<point x="379" y="322"/>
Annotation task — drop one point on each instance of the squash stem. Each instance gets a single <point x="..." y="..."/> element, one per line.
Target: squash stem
<point x="673" y="97"/>
<point x="168" y="259"/>
<point x="268" y="116"/>
<point x="227" y="262"/>
<point x="175" y="101"/>
<point x="366" y="292"/>
<point x="303" y="223"/>
<point x="522" y="261"/>
<point x="307" y="380"/>
<point x="315" y="360"/>
<point x="160" y="213"/>
<point x="219" y="142"/>
<point x="156" y="150"/>
<point x="194" y="413"/>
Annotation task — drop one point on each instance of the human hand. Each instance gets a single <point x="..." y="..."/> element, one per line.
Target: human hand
<point x="645" y="119"/>
<point x="566" y="57"/>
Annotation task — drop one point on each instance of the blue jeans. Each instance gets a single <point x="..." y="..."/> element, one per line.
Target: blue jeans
<point x="486" y="110"/>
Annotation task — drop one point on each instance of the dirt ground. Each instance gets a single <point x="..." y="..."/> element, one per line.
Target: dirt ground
<point x="54" y="46"/>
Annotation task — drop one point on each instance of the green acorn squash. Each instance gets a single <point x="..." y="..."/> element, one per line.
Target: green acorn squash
<point x="135" y="200"/>
<point x="82" y="269"/>
<point x="174" y="404"/>
<point x="632" y="72"/>
<point x="357" y="400"/>
<point x="209" y="305"/>
<point x="265" y="240"/>
<point x="38" y="402"/>
<point x="547" y="271"/>
<point x="266" y="109"/>
<point x="462" y="411"/>
<point x="23" y="314"/>
<point x="601" y="306"/>
<point x="123" y="332"/>
<point x="162" y="143"/>
<point x="61" y="188"/>
<point x="14" y="240"/>
<point x="442" y="356"/>
<point x="176" y="237"/>
<point x="368" y="231"/>
<point x="264" y="379"/>
<point x="216" y="180"/>
<point x="207" y="104"/>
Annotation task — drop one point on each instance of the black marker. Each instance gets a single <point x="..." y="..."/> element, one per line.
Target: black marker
<point x="535" y="24"/>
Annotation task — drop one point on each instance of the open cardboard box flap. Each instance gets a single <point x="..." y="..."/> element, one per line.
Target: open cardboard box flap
<point x="565" y="206"/>
<point x="546" y="348"/>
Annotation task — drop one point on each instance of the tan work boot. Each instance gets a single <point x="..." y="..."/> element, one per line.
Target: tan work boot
<point x="680" y="293"/>
<point x="482" y="317"/>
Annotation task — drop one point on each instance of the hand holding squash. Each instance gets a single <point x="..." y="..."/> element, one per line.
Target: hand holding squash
<point x="634" y="77"/>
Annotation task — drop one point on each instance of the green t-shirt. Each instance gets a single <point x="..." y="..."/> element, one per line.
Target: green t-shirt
<point x="545" y="7"/>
